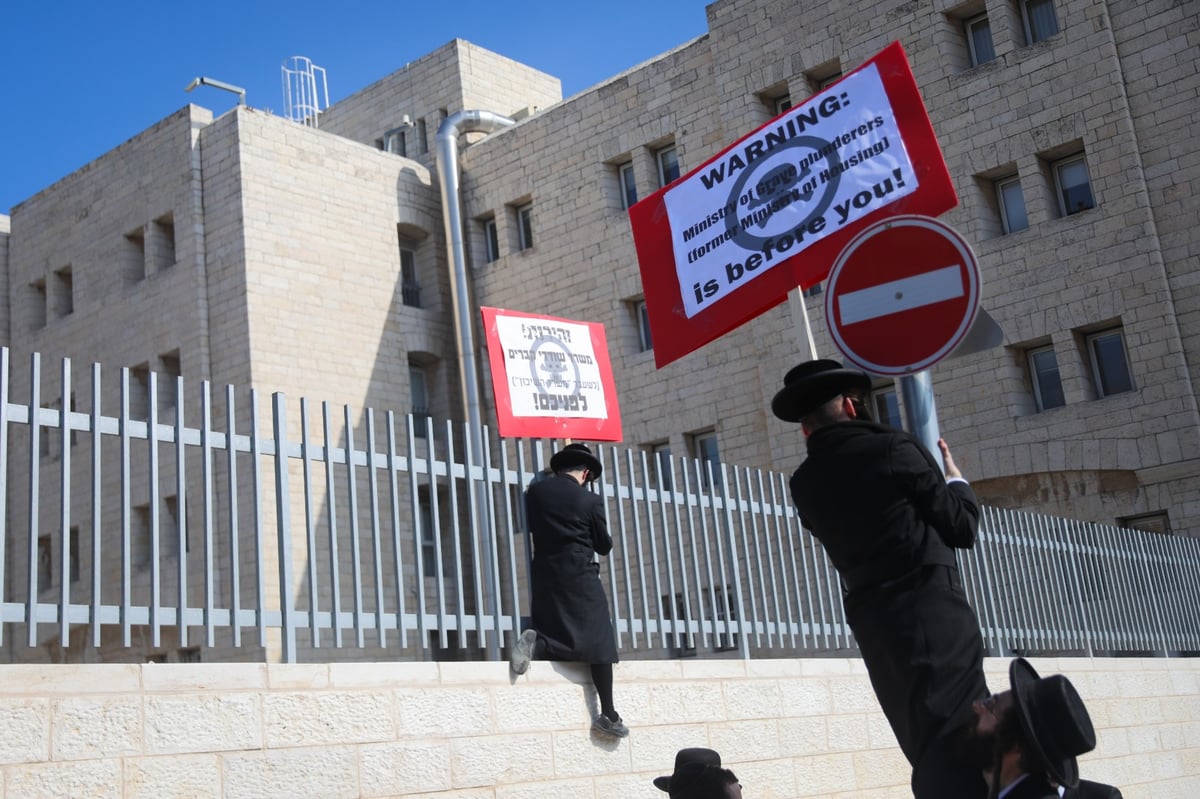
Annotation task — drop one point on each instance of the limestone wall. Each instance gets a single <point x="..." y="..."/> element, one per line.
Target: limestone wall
<point x="788" y="728"/>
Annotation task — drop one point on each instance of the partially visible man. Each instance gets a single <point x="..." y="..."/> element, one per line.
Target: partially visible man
<point x="705" y="781"/>
<point x="570" y="610"/>
<point x="685" y="759"/>
<point x="890" y="522"/>
<point x="1026" y="739"/>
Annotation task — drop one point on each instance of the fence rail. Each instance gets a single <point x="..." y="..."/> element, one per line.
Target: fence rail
<point x="135" y="523"/>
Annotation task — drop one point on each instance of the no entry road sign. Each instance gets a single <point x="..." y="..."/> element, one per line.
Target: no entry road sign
<point x="902" y="295"/>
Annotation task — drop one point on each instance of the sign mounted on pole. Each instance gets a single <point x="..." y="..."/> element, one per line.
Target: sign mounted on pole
<point x="727" y="241"/>
<point x="552" y="377"/>
<point x="902" y="295"/>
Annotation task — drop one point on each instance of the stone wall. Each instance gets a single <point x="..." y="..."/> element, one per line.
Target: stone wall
<point x="788" y="728"/>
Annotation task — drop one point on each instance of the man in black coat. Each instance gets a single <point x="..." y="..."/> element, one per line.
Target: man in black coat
<point x="570" y="610"/>
<point x="890" y="522"/>
<point x="1027" y="739"/>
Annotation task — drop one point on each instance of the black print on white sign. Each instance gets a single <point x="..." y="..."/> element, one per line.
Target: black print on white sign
<point x="555" y="373"/>
<point x="784" y="185"/>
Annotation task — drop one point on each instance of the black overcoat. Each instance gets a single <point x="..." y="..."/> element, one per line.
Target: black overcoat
<point x="570" y="609"/>
<point x="1034" y="786"/>
<point x="889" y="522"/>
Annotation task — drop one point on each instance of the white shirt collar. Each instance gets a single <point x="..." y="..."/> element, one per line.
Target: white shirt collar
<point x="1008" y="788"/>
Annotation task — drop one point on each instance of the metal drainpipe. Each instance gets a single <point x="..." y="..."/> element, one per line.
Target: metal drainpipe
<point x="446" y="154"/>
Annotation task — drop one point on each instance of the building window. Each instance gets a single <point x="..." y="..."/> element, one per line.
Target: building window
<point x="668" y="165"/>
<point x="660" y="464"/>
<point x="645" y="340"/>
<point x="64" y="292"/>
<point x="885" y="405"/>
<point x="814" y="290"/>
<point x="428" y="540"/>
<point x="1072" y="185"/>
<point x="38" y="304"/>
<point x="45" y="562"/>
<point x="1157" y="522"/>
<point x="979" y="39"/>
<point x="430" y="535"/>
<point x="1043" y="374"/>
<point x="627" y="184"/>
<point x="1039" y="20"/>
<point x="525" y="226"/>
<point x="139" y="535"/>
<point x="170" y="371"/>
<point x="134" y="256"/>
<point x="1110" y="366"/>
<point x="781" y="103"/>
<point x="410" y="288"/>
<point x="704" y="449"/>
<point x="73" y="554"/>
<point x="394" y="141"/>
<point x="418" y="382"/>
<point x="674" y="609"/>
<point x="422" y="136"/>
<point x="491" y="240"/>
<point x="174" y="528"/>
<point x="139" y="391"/>
<point x="822" y="78"/>
<point x="164" y="244"/>
<point x="190" y="654"/>
<point x="724" y="617"/>
<point x="1012" y="204"/>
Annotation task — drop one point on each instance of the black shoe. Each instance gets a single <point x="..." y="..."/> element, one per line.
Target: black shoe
<point x="522" y="652"/>
<point x="606" y="726"/>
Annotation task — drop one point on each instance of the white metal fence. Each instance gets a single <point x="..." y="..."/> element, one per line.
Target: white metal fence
<point x="136" y="521"/>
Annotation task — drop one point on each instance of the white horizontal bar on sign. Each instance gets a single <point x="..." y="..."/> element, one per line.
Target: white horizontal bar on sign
<point x="901" y="295"/>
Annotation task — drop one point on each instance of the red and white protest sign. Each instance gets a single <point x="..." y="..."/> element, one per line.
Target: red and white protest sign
<point x="730" y="239"/>
<point x="552" y="377"/>
<point x="902" y="295"/>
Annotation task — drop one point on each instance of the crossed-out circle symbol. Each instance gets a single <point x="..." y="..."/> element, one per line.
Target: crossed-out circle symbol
<point x="828" y="191"/>
<point x="555" y="378"/>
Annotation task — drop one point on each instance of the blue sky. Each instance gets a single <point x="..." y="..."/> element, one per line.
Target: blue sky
<point x="80" y="78"/>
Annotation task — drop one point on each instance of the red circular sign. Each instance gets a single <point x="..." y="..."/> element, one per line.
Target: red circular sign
<point x="902" y="295"/>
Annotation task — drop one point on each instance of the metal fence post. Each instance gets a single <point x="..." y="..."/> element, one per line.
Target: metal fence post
<point x="283" y="527"/>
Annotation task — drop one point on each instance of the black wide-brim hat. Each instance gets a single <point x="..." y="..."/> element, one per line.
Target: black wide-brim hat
<point x="813" y="383"/>
<point x="1055" y="722"/>
<point x="684" y="758"/>
<point x="573" y="455"/>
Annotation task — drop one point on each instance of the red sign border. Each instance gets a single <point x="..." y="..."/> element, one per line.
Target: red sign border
<point x="970" y="265"/>
<point x="676" y="335"/>
<point x="511" y="426"/>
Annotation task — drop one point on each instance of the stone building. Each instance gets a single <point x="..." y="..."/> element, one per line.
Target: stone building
<point x="250" y="250"/>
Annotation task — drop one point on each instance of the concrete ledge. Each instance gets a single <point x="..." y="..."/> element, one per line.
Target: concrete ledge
<point x="788" y="728"/>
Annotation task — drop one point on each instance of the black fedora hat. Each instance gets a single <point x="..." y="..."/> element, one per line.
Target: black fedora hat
<point x="685" y="758"/>
<point x="813" y="383"/>
<point x="1054" y="721"/>
<point x="573" y="455"/>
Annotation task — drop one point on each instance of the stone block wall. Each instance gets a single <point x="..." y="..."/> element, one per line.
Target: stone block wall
<point x="788" y="728"/>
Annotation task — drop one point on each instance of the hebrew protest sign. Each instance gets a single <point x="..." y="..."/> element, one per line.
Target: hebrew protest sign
<point x="727" y="241"/>
<point x="552" y="377"/>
